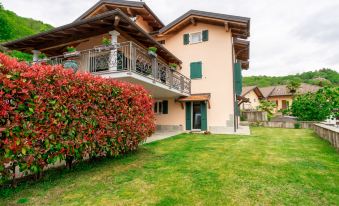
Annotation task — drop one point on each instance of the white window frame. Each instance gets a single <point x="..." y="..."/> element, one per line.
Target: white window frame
<point x="157" y="103"/>
<point x="190" y="37"/>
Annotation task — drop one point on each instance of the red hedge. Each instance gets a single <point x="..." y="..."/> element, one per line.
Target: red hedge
<point x="48" y="113"/>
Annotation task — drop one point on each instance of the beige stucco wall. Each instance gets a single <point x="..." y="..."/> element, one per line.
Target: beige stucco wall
<point x="216" y="57"/>
<point x="175" y="116"/>
<point x="280" y="99"/>
<point x="254" y="101"/>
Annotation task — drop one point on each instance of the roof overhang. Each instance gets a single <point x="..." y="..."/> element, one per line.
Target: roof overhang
<point x="56" y="40"/>
<point x="132" y="8"/>
<point x="258" y="93"/>
<point x="256" y="90"/>
<point x="242" y="99"/>
<point x="239" y="26"/>
<point x="242" y="52"/>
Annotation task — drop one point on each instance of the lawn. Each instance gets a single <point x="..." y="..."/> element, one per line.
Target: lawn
<point x="272" y="166"/>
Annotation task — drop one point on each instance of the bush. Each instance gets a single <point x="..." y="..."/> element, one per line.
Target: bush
<point x="48" y="114"/>
<point x="316" y="106"/>
<point x="297" y="125"/>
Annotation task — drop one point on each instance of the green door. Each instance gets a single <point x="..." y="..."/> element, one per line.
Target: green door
<point x="188" y="116"/>
<point x="203" y="116"/>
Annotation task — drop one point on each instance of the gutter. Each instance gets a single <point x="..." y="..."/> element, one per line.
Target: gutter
<point x="234" y="96"/>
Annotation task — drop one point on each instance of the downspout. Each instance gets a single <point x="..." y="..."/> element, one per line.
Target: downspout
<point x="234" y="96"/>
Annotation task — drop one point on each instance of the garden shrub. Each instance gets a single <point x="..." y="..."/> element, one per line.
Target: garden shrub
<point x="297" y="125"/>
<point x="49" y="114"/>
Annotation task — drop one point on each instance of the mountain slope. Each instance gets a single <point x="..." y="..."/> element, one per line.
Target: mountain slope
<point x="320" y="77"/>
<point x="13" y="26"/>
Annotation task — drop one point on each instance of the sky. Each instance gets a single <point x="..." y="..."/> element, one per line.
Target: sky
<point x="287" y="37"/>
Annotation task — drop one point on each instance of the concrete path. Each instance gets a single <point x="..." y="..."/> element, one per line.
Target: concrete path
<point x="242" y="130"/>
<point x="162" y="135"/>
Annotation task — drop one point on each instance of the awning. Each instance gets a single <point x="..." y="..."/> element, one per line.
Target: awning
<point x="196" y="98"/>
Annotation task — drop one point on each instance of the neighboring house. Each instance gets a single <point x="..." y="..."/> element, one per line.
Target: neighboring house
<point x="281" y="95"/>
<point x="254" y="95"/>
<point x="209" y="49"/>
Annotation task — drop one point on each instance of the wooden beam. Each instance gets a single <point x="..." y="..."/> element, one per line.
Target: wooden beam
<point x="193" y="21"/>
<point x="227" y="26"/>
<point x="130" y="12"/>
<point x="65" y="44"/>
<point x="116" y="20"/>
<point x="72" y="38"/>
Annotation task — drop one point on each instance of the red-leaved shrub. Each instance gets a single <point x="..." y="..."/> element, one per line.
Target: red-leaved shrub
<point x="48" y="114"/>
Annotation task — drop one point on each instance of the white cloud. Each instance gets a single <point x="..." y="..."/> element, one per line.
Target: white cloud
<point x="286" y="36"/>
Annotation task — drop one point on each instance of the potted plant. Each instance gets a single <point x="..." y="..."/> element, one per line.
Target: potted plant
<point x="173" y="66"/>
<point x="71" y="63"/>
<point x="42" y="58"/>
<point x="106" y="45"/>
<point x="71" y="52"/>
<point x="152" y="51"/>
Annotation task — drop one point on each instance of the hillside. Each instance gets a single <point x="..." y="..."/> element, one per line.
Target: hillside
<point x="320" y="77"/>
<point x="13" y="26"/>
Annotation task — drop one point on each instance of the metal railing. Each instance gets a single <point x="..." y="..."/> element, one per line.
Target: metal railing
<point x="127" y="56"/>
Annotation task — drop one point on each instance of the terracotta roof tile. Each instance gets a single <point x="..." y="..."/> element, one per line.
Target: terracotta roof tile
<point x="282" y="90"/>
<point x="195" y="97"/>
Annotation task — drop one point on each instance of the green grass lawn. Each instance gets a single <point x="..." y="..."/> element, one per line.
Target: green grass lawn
<point x="272" y="166"/>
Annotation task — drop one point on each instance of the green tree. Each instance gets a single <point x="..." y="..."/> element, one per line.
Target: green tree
<point x="293" y="86"/>
<point x="268" y="107"/>
<point x="5" y="28"/>
<point x="316" y="106"/>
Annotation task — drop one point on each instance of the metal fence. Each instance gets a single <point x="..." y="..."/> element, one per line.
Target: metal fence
<point x="127" y="56"/>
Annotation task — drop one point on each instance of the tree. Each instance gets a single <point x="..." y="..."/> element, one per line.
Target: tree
<point x="293" y="86"/>
<point x="316" y="106"/>
<point x="268" y="107"/>
<point x="5" y="29"/>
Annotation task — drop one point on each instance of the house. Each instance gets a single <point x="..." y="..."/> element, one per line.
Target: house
<point x="254" y="95"/>
<point x="194" y="76"/>
<point x="281" y="95"/>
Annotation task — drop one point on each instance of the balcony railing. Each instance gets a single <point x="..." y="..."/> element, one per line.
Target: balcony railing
<point x="127" y="56"/>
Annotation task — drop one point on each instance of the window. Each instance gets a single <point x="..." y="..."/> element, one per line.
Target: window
<point x="254" y="100"/>
<point x="196" y="37"/>
<point x="162" y="41"/>
<point x="161" y="107"/>
<point x="196" y="70"/>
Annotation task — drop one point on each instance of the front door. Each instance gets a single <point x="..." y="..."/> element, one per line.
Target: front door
<point x="196" y="116"/>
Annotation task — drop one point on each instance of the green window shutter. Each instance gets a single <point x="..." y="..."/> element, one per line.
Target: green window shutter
<point x="203" y="116"/>
<point x="205" y="35"/>
<point x="238" y="78"/>
<point x="196" y="70"/>
<point x="165" y="107"/>
<point x="186" y="39"/>
<point x="188" y="116"/>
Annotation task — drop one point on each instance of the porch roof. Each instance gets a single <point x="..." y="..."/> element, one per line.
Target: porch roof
<point x="205" y="97"/>
<point x="195" y="98"/>
<point x="55" y="41"/>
